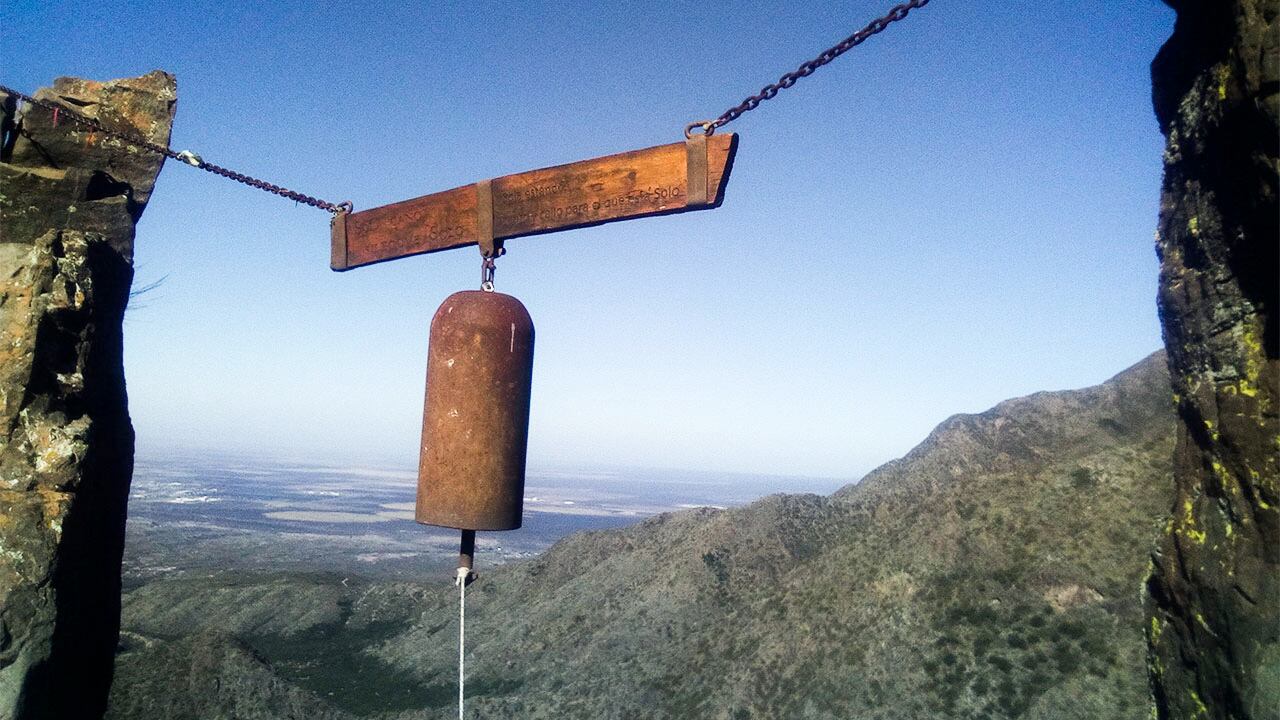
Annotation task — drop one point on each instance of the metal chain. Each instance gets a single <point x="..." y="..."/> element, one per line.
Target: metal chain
<point x="898" y="12"/>
<point x="487" y="269"/>
<point x="185" y="156"/>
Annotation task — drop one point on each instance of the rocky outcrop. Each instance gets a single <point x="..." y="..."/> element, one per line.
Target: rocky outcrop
<point x="1214" y="590"/>
<point x="69" y="198"/>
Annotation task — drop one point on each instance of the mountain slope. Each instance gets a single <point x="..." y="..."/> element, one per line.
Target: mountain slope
<point x="207" y="676"/>
<point x="993" y="572"/>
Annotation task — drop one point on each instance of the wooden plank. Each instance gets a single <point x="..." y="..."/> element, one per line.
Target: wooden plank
<point x="653" y="181"/>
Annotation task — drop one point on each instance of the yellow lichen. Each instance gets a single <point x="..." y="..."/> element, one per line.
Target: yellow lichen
<point x="1254" y="359"/>
<point x="1251" y="340"/>
<point x="1224" y="74"/>
<point x="1225" y="477"/>
<point x="1193" y="226"/>
<point x="1208" y="425"/>
<point x="1155" y="629"/>
<point x="1188" y="529"/>
<point x="1201" y="710"/>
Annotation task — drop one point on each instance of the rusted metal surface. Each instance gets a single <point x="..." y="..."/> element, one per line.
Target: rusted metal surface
<point x="475" y="426"/>
<point x="489" y="247"/>
<point x="653" y="181"/>
<point x="696" y="170"/>
<point x="338" y="238"/>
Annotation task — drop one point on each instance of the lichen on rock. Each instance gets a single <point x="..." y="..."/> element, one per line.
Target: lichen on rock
<point x="1214" y="589"/>
<point x="69" y="199"/>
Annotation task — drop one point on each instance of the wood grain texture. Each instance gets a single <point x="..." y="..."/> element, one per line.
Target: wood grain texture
<point x="633" y="184"/>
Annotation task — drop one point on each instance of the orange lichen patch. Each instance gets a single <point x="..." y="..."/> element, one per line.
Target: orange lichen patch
<point x="49" y="506"/>
<point x="132" y="103"/>
<point x="55" y="505"/>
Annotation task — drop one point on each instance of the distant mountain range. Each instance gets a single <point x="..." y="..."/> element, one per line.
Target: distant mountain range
<point x="993" y="572"/>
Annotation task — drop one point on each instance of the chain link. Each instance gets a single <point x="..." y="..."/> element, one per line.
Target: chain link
<point x="487" y="269"/>
<point x="768" y="92"/>
<point x="60" y="111"/>
<point x="898" y="12"/>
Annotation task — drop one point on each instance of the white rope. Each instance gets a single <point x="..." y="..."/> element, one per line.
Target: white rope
<point x="461" y="582"/>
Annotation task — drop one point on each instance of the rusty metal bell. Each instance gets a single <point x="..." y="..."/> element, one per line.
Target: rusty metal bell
<point x="475" y="425"/>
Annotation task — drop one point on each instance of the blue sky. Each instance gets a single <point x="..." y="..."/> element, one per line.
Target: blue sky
<point x="957" y="212"/>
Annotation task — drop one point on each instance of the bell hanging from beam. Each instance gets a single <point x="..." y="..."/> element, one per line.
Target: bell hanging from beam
<point x="475" y="424"/>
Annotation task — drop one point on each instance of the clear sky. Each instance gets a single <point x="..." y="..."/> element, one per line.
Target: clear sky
<point x="957" y="212"/>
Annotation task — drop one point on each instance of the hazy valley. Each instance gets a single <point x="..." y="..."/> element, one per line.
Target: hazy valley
<point x="993" y="572"/>
<point x="195" y="514"/>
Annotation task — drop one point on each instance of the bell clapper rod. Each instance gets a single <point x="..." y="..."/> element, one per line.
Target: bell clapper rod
<point x="467" y="557"/>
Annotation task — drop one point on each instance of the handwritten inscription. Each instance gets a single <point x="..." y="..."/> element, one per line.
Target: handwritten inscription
<point x="631" y="184"/>
<point x="542" y="210"/>
<point x="440" y="232"/>
<point x="443" y="232"/>
<point x="429" y="227"/>
<point x="535" y="192"/>
<point x="660" y="196"/>
<point x="446" y="219"/>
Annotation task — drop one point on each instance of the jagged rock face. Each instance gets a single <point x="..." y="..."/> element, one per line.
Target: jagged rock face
<point x="1214" y="590"/>
<point x="69" y="199"/>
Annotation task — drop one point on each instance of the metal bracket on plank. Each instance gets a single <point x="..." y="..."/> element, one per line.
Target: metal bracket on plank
<point x="489" y="247"/>
<point x="338" y="241"/>
<point x="695" y="192"/>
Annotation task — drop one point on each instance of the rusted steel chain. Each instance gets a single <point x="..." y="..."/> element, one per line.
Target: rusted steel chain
<point x="61" y="111"/>
<point x="898" y="12"/>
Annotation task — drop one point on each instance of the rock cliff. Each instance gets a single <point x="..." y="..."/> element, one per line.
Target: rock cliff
<point x="1214" y="590"/>
<point x="69" y="198"/>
